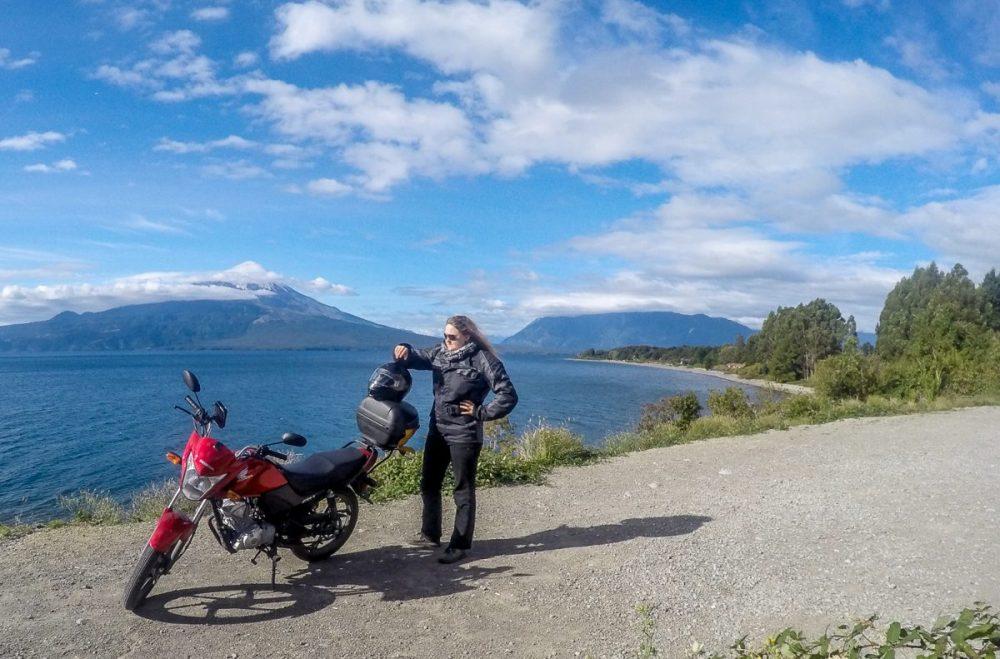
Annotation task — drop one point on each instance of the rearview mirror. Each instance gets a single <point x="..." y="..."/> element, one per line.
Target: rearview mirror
<point x="219" y="413"/>
<point x="293" y="439"/>
<point x="191" y="380"/>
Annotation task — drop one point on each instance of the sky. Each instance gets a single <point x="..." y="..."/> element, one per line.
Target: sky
<point x="405" y="160"/>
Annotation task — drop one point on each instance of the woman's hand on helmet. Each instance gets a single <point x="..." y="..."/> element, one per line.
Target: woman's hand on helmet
<point x="401" y="352"/>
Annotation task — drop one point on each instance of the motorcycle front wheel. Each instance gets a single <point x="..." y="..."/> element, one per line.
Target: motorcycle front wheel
<point x="151" y="565"/>
<point x="329" y="523"/>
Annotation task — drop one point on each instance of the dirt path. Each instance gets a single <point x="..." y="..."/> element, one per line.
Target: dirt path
<point x="723" y="537"/>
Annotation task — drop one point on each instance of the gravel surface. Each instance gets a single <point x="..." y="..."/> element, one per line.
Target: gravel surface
<point x="726" y="537"/>
<point x="787" y="387"/>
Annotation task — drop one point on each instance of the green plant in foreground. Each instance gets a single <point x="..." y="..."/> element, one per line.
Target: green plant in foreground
<point x="647" y="627"/>
<point x="974" y="633"/>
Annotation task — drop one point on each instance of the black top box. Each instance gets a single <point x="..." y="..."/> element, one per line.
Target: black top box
<point x="384" y="423"/>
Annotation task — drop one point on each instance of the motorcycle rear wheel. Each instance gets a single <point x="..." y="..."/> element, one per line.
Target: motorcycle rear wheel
<point x="151" y="565"/>
<point x="332" y="530"/>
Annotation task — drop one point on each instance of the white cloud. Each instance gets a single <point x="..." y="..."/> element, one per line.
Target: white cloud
<point x="129" y="18"/>
<point x="210" y="14"/>
<point x="176" y="72"/>
<point x="640" y="19"/>
<point x="24" y="96"/>
<point x="376" y="129"/>
<point x="324" y="286"/>
<point x="497" y="35"/>
<point x="19" y="303"/>
<point x="31" y="141"/>
<point x="230" y="142"/>
<point x="328" y="187"/>
<point x="64" y="165"/>
<point x="11" y="63"/>
<point x="965" y="230"/>
<point x="237" y="170"/>
<point x="169" y="227"/>
<point x="246" y="59"/>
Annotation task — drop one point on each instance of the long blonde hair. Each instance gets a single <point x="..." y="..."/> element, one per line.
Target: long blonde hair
<point x="468" y="327"/>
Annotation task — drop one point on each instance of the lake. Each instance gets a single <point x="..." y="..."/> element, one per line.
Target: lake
<point x="103" y="421"/>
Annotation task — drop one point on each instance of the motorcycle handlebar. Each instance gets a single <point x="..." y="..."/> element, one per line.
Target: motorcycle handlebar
<point x="265" y="451"/>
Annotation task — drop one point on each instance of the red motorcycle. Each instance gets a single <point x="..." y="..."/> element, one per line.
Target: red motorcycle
<point x="255" y="499"/>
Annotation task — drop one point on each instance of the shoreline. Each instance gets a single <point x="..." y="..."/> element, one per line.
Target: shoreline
<point x="760" y="384"/>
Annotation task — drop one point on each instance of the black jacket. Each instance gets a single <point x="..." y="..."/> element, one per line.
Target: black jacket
<point x="468" y="375"/>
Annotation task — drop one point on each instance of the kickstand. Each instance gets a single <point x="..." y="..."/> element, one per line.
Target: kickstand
<point x="271" y="551"/>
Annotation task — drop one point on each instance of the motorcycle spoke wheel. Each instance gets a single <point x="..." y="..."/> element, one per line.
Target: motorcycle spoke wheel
<point x="329" y="523"/>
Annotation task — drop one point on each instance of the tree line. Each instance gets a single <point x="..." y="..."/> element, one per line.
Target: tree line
<point x="938" y="332"/>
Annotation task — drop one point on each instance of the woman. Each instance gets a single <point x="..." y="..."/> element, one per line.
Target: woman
<point x="465" y="369"/>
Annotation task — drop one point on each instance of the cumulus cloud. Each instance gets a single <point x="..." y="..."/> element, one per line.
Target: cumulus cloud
<point x="175" y="72"/>
<point x="64" y="165"/>
<point x="375" y="128"/>
<point x="963" y="229"/>
<point x="11" y="63"/>
<point x="246" y="59"/>
<point x="210" y="14"/>
<point x="328" y="187"/>
<point x="20" y="303"/>
<point x="31" y="141"/>
<point x="498" y="35"/>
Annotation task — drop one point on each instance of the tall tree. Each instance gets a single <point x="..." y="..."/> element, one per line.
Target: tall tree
<point x="990" y="289"/>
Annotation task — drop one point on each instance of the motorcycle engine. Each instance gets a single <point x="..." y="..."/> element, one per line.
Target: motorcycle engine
<point x="245" y="531"/>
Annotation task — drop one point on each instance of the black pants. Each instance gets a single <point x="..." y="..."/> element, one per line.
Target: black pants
<point x="463" y="459"/>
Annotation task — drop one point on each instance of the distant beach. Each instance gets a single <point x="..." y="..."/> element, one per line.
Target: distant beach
<point x="762" y="384"/>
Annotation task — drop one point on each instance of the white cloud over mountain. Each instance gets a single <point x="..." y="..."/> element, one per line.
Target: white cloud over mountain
<point x="27" y="303"/>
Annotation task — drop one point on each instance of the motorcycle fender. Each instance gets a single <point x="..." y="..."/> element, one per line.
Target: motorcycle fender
<point x="171" y="527"/>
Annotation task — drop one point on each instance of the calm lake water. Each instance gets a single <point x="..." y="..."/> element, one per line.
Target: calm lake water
<point x="103" y="421"/>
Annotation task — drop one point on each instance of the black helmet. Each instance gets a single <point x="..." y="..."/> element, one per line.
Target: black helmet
<point x="390" y="382"/>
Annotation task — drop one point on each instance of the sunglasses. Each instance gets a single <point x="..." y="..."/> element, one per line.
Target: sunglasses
<point x="452" y="337"/>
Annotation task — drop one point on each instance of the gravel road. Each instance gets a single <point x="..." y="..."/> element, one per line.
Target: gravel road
<point x="725" y="537"/>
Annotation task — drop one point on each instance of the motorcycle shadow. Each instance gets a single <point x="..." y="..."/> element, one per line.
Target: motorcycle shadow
<point x="395" y="573"/>
<point x="399" y="573"/>
<point x="235" y="604"/>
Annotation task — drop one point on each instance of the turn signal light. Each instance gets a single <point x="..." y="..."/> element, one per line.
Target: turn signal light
<point x="173" y="457"/>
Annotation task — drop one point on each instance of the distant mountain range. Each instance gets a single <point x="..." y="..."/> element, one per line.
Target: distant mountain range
<point x="277" y="317"/>
<point x="273" y="317"/>
<point x="666" y="329"/>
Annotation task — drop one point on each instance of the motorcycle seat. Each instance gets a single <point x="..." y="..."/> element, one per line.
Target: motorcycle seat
<point x="324" y="470"/>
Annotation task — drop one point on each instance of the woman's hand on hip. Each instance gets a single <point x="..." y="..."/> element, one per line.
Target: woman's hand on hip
<point x="467" y="407"/>
<point x="401" y="352"/>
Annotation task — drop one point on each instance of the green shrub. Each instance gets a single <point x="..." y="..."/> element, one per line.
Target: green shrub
<point x="504" y="468"/>
<point x="718" y="426"/>
<point x="732" y="402"/>
<point x="681" y="410"/>
<point x="552" y="446"/>
<point x="804" y="406"/>
<point x="89" y="507"/>
<point x="398" y="477"/>
<point x="752" y="372"/>
<point x="850" y="374"/>
<point x="12" y="531"/>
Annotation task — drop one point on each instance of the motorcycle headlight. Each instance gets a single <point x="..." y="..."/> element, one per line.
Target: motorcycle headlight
<point x="194" y="486"/>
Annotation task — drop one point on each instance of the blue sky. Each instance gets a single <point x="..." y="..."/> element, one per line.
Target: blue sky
<point x="405" y="160"/>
